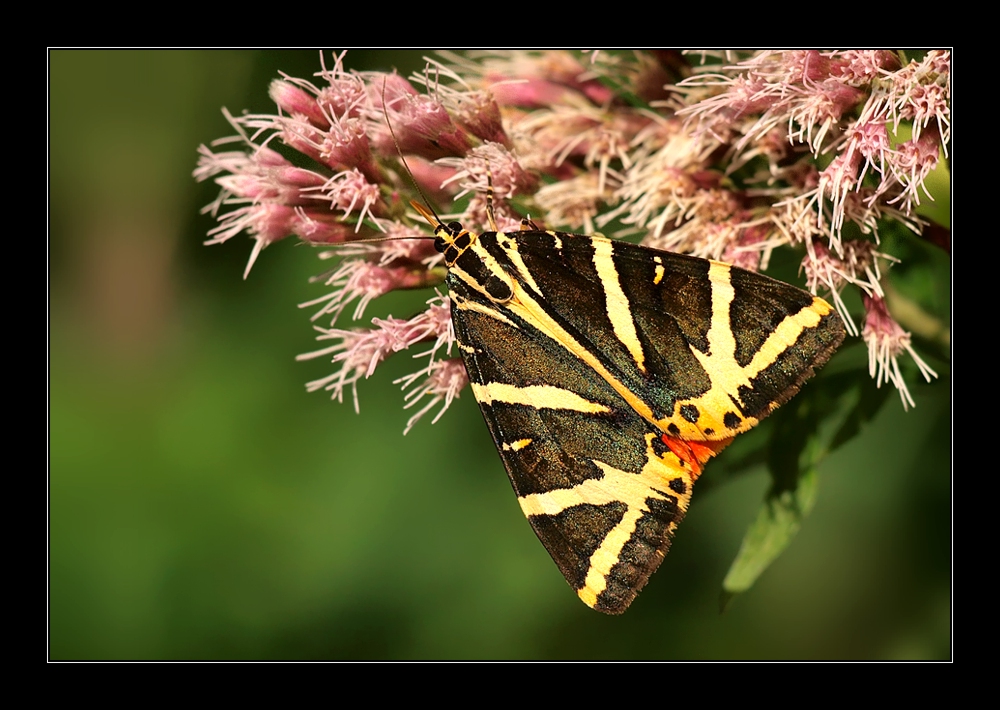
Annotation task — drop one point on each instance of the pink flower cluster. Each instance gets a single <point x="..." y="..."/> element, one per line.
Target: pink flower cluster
<point x="816" y="139"/>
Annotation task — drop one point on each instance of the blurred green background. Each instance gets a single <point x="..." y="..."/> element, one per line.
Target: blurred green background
<point x="203" y="505"/>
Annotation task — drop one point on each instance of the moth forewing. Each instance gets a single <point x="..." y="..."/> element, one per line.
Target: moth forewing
<point x="609" y="373"/>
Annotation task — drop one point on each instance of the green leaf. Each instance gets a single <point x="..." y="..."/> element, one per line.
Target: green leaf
<point x="828" y="413"/>
<point x="777" y="523"/>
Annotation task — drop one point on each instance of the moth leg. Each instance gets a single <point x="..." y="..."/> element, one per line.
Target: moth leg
<point x="490" y="215"/>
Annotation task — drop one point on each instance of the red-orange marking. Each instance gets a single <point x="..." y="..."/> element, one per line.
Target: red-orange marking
<point x="694" y="453"/>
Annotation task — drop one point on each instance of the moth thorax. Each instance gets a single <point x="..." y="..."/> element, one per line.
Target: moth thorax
<point x="498" y="289"/>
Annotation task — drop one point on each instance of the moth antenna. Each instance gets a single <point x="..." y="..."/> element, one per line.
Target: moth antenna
<point x="379" y="240"/>
<point x="425" y="210"/>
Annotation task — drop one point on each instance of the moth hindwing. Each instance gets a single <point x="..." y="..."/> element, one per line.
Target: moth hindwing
<point x="609" y="373"/>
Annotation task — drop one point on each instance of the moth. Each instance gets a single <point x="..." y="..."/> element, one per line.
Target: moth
<point x="610" y="373"/>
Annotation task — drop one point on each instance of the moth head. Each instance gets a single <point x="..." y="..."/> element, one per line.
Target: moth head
<point x="449" y="239"/>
